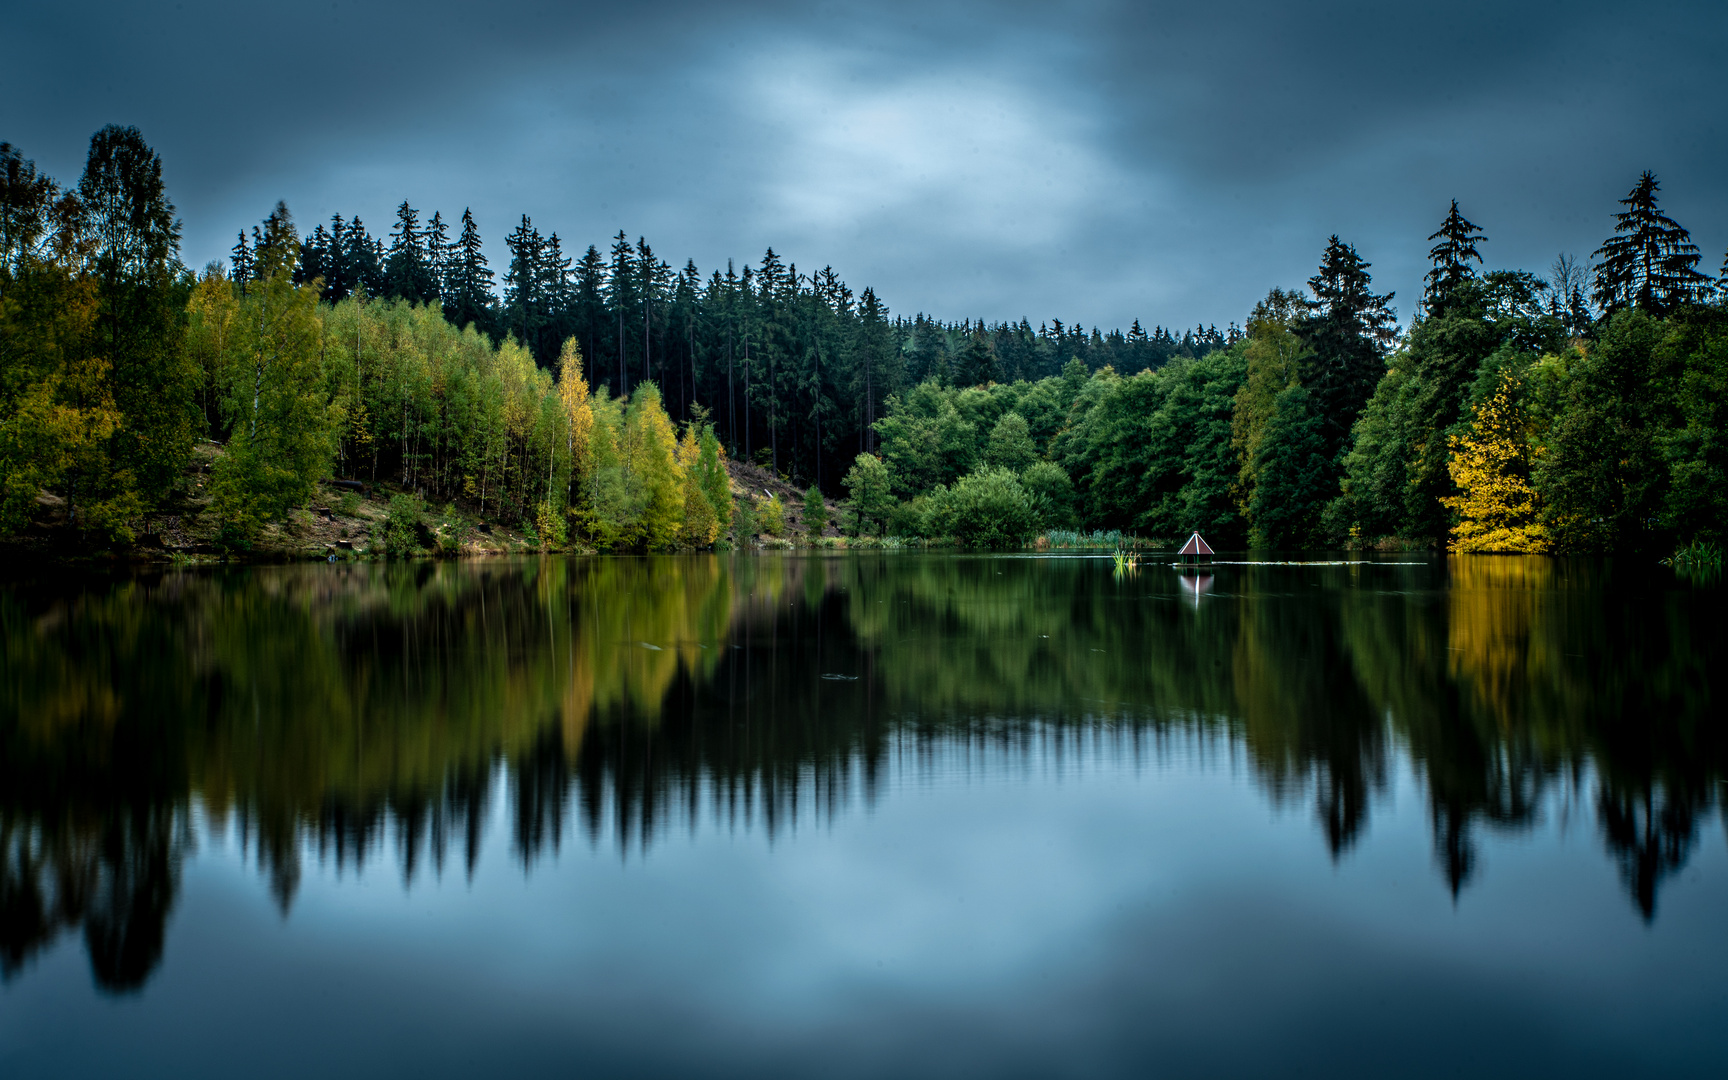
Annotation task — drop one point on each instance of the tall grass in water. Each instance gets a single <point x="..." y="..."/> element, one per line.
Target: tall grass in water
<point x="1097" y="540"/>
<point x="1698" y="562"/>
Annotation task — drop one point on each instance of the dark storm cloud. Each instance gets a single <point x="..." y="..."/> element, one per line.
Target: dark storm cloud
<point x="1097" y="162"/>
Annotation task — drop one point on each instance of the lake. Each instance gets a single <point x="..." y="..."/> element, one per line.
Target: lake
<point x="864" y="815"/>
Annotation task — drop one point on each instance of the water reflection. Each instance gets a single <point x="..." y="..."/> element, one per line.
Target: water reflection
<point x="350" y="712"/>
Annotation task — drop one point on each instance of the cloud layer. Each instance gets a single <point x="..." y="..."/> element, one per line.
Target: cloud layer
<point x="1095" y="162"/>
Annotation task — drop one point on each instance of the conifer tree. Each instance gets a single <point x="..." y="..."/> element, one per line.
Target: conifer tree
<point x="524" y="301"/>
<point x="468" y="295"/>
<point x="242" y="266"/>
<point x="1451" y="259"/>
<point x="439" y="254"/>
<point x="1349" y="329"/>
<point x="815" y="512"/>
<point x="621" y="299"/>
<point x="979" y="360"/>
<point x="407" y="268"/>
<point x="1496" y="506"/>
<point x="1650" y="263"/>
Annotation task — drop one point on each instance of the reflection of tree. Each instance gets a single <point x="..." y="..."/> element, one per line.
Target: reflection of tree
<point x="345" y="712"/>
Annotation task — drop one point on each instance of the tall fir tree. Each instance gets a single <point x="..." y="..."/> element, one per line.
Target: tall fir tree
<point x="524" y="302"/>
<point x="407" y="268"/>
<point x="1349" y="328"/>
<point x="468" y="297"/>
<point x="1650" y="263"/>
<point x="1451" y="259"/>
<point x="621" y="300"/>
<point x="439" y="253"/>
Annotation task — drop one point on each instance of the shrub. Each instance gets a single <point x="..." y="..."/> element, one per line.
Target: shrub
<point x="549" y="526"/>
<point x="404" y="523"/>
<point x="772" y="516"/>
<point x="1052" y="494"/>
<point x="988" y="509"/>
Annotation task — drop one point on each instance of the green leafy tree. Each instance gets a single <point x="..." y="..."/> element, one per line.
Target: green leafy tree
<point x="282" y="420"/>
<point x="1295" y="474"/>
<point x="1601" y="478"/>
<point x="141" y="292"/>
<point x="871" y="498"/>
<point x="1011" y="445"/>
<point x="1696" y="444"/>
<point x="987" y="509"/>
<point x="1052" y="494"/>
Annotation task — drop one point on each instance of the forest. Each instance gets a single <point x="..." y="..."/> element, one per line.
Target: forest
<point x="596" y="398"/>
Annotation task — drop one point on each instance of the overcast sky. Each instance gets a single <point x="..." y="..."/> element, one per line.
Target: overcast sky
<point x="1095" y="162"/>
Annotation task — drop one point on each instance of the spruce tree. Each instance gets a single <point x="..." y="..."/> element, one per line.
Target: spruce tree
<point x="1451" y="259"/>
<point x="439" y="254"/>
<point x="589" y="299"/>
<point x="365" y="258"/>
<point x="407" y="269"/>
<point x="468" y="297"/>
<point x="1650" y="263"/>
<point x="242" y="266"/>
<point x="524" y="309"/>
<point x="1349" y="327"/>
<point x="621" y="300"/>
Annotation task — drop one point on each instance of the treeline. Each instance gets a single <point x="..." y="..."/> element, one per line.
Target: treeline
<point x="558" y="402"/>
<point x="595" y="399"/>
<point x="1580" y="412"/>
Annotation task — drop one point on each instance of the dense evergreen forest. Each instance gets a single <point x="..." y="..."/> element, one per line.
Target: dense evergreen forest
<point x="596" y="396"/>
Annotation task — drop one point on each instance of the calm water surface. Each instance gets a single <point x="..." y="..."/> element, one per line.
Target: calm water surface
<point x="864" y="816"/>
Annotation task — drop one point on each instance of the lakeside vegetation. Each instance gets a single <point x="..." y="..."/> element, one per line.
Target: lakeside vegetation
<point x="595" y="402"/>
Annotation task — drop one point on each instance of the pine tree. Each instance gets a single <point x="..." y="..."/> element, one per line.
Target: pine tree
<point x="621" y="299"/>
<point x="408" y="268"/>
<point x="815" y="512"/>
<point x="1451" y="259"/>
<point x="439" y="253"/>
<point x="1651" y="262"/>
<point x="1349" y="329"/>
<point x="524" y="301"/>
<point x="978" y="362"/>
<point x="242" y="266"/>
<point x="468" y="295"/>
<point x="1497" y="508"/>
<point x="365" y="257"/>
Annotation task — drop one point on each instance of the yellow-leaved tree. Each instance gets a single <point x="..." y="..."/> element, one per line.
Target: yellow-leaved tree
<point x="578" y="408"/>
<point x="701" y="523"/>
<point x="649" y="455"/>
<point x="1491" y="466"/>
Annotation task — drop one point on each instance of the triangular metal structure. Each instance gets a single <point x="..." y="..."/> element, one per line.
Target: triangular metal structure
<point x="1195" y="546"/>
